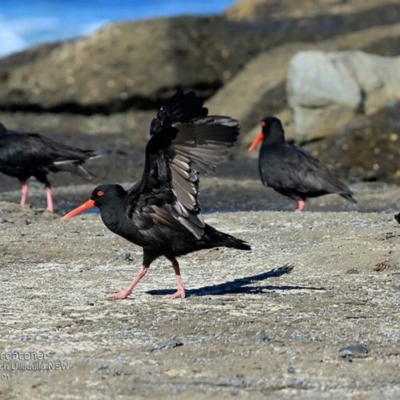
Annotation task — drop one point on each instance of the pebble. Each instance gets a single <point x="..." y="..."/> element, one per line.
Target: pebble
<point x="123" y="257"/>
<point x="261" y="337"/>
<point x="166" y="344"/>
<point x="352" y="351"/>
<point x="353" y="271"/>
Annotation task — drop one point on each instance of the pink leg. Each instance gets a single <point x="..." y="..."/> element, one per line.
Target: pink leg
<point x="181" y="290"/>
<point x="126" y="292"/>
<point x="24" y="193"/>
<point x="301" y="204"/>
<point x="49" y="196"/>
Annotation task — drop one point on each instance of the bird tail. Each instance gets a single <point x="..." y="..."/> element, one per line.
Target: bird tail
<point x="348" y="196"/>
<point x="223" y="239"/>
<point x="75" y="164"/>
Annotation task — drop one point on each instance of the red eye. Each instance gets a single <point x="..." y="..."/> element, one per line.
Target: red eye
<point x="100" y="193"/>
<point x="263" y="123"/>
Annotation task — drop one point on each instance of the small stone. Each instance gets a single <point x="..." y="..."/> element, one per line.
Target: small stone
<point x="353" y="271"/>
<point x="123" y="257"/>
<point x="166" y="344"/>
<point x="302" y="384"/>
<point x="261" y="337"/>
<point x="290" y="370"/>
<point x="352" y="351"/>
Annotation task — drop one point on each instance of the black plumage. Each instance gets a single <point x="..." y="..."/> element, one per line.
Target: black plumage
<point x="23" y="155"/>
<point x="292" y="171"/>
<point x="162" y="213"/>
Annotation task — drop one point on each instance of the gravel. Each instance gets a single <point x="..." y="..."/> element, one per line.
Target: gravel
<point x="261" y="324"/>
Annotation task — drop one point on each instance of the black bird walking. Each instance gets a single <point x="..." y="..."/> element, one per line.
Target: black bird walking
<point x="161" y="213"/>
<point x="23" y="155"/>
<point x="292" y="171"/>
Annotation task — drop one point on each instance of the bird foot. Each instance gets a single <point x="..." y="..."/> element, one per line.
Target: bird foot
<point x="301" y="205"/>
<point x="120" y="295"/>
<point x="123" y="294"/>
<point x="179" y="293"/>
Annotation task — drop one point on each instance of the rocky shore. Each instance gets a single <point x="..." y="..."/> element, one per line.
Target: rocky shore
<point x="310" y="312"/>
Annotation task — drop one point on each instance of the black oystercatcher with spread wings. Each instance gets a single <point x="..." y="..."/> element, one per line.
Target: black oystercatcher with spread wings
<point x="161" y="213"/>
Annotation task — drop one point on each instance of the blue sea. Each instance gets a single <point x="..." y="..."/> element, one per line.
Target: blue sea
<point x="24" y="23"/>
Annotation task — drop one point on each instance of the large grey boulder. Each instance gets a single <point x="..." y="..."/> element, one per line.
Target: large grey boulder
<point x="327" y="90"/>
<point x="259" y="88"/>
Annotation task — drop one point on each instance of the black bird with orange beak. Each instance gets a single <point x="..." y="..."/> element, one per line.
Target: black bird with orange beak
<point x="23" y="155"/>
<point x="162" y="213"/>
<point x="291" y="171"/>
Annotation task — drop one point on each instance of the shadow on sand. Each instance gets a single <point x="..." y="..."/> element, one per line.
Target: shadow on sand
<point x="239" y="285"/>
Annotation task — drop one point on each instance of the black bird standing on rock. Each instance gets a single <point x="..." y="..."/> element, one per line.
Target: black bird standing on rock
<point x="23" y="155"/>
<point x="161" y="213"/>
<point x="292" y="171"/>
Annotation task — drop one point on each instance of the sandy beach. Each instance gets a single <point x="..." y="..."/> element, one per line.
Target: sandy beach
<point x="268" y="323"/>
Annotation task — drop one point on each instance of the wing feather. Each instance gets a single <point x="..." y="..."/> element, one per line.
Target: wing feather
<point x="165" y="218"/>
<point x="184" y="142"/>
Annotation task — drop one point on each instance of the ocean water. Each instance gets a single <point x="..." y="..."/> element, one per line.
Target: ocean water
<point x="24" y="23"/>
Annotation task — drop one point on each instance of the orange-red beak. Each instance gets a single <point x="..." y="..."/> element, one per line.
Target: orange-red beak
<point x="85" y="206"/>
<point x="257" y="140"/>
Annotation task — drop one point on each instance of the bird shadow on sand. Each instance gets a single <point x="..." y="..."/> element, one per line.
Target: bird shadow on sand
<point x="239" y="285"/>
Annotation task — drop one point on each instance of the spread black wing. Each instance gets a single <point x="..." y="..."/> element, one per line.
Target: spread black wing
<point x="180" y="108"/>
<point x="175" y="155"/>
